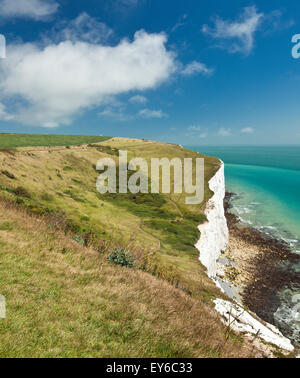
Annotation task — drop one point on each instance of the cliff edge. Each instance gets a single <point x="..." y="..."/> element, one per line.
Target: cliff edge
<point x="213" y="241"/>
<point x="214" y="233"/>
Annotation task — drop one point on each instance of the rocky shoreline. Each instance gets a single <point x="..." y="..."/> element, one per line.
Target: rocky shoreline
<point x="260" y="265"/>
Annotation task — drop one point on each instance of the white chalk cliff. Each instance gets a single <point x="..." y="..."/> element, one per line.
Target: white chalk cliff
<point x="213" y="241"/>
<point x="240" y="320"/>
<point x="214" y="232"/>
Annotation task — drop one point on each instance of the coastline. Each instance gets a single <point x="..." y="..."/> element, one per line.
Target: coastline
<point x="260" y="267"/>
<point x="212" y="246"/>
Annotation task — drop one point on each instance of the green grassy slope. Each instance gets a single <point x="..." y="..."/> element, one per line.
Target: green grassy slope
<point x="67" y="300"/>
<point x="25" y="140"/>
<point x="159" y="229"/>
<point x="58" y="187"/>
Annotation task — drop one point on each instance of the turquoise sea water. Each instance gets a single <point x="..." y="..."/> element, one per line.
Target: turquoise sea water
<point x="267" y="183"/>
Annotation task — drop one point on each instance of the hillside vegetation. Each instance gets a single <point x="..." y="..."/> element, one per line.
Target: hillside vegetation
<point x="25" y="140"/>
<point x="64" y="298"/>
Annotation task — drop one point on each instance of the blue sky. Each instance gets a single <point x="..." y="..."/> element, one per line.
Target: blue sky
<point x="190" y="72"/>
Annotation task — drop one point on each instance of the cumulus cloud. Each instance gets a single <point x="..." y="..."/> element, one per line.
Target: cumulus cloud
<point x="138" y="99"/>
<point x="238" y="35"/>
<point x="34" y="9"/>
<point x="247" y="130"/>
<point x="148" y="113"/>
<point x="224" y="132"/>
<point x="53" y="84"/>
<point x="195" y="68"/>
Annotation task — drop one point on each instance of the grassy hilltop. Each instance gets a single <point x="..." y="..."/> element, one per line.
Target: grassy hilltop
<point x="26" y="140"/>
<point x="63" y="296"/>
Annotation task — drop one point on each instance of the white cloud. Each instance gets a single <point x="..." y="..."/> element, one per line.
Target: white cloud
<point x="138" y="99"/>
<point x="238" y="35"/>
<point x="247" y="130"/>
<point x="224" y="132"/>
<point x="275" y="21"/>
<point x="195" y="68"/>
<point x="180" y="23"/>
<point x="196" y="132"/>
<point x="82" y="28"/>
<point x="35" y="9"/>
<point x="116" y="113"/>
<point x="55" y="83"/>
<point x="148" y="113"/>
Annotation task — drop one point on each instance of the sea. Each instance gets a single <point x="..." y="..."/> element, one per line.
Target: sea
<point x="266" y="181"/>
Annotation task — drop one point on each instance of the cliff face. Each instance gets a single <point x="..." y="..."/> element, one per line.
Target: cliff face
<point x="214" y="233"/>
<point x="213" y="241"/>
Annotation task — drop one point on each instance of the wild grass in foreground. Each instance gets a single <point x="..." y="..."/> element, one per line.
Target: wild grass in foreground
<point x="67" y="300"/>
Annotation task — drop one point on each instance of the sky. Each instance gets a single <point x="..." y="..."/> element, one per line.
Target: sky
<point x="209" y="72"/>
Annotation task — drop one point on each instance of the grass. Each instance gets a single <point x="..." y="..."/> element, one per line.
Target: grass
<point x="66" y="300"/>
<point x="160" y="227"/>
<point x="55" y="246"/>
<point x="8" y="141"/>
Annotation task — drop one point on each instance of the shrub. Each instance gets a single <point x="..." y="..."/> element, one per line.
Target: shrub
<point x="121" y="257"/>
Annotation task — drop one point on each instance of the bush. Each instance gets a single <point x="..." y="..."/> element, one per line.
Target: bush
<point x="121" y="257"/>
